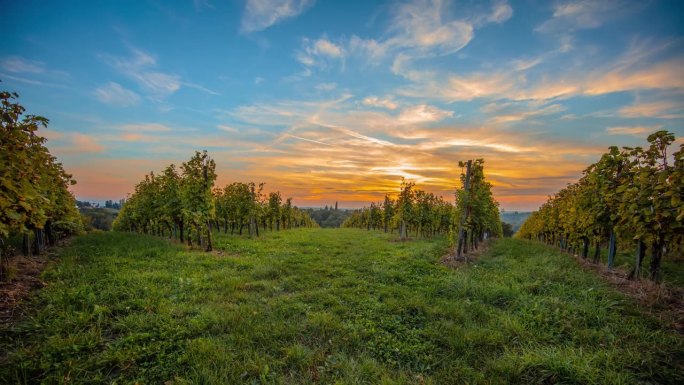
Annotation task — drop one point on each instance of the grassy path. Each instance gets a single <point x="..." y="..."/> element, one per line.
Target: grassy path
<point x="329" y="306"/>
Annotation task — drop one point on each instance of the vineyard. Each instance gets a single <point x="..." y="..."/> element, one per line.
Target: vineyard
<point x="36" y="205"/>
<point x="475" y="216"/>
<point x="630" y="198"/>
<point x="186" y="205"/>
<point x="203" y="284"/>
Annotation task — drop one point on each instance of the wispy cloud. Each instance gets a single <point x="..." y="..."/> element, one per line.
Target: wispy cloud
<point x="326" y="86"/>
<point x="374" y="101"/>
<point x="501" y="11"/>
<point x="663" y="75"/>
<point x="33" y="72"/>
<point x="572" y="15"/>
<point x="142" y="68"/>
<point x="227" y="128"/>
<point x="514" y="112"/>
<point x="418" y="29"/>
<point x="664" y="109"/>
<point x="317" y="52"/>
<point x="145" y="127"/>
<point x="421" y="28"/>
<point x="76" y="143"/>
<point x="637" y="131"/>
<point x="20" y="65"/>
<point x="114" y="94"/>
<point x="423" y="113"/>
<point x="261" y="14"/>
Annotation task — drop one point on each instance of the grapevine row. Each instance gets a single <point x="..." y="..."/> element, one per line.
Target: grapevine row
<point x="184" y="204"/>
<point x="632" y="197"/>
<point x="475" y="211"/>
<point x="34" y="194"/>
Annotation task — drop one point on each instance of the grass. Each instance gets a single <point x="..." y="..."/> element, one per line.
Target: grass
<point x="329" y="306"/>
<point x="671" y="270"/>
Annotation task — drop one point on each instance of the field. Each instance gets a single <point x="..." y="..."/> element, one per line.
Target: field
<point x="342" y="306"/>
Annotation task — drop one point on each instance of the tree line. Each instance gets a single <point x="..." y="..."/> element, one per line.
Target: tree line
<point x="183" y="203"/>
<point x="35" y="202"/>
<point x="632" y="197"/>
<point x="474" y="215"/>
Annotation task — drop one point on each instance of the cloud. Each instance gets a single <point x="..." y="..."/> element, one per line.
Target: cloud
<point x="327" y="48"/>
<point x="420" y="25"/>
<point x="569" y="16"/>
<point x="451" y="87"/>
<point x="518" y="112"/>
<point x="18" y="64"/>
<point x="423" y="113"/>
<point x="142" y="68"/>
<point x="370" y="49"/>
<point x="637" y="69"/>
<point x="114" y="94"/>
<point x="145" y="127"/>
<point x="658" y="109"/>
<point x="637" y="131"/>
<point x="200" y="4"/>
<point x="138" y="138"/>
<point x="326" y="86"/>
<point x="32" y="72"/>
<point x="228" y="129"/>
<point x="262" y="14"/>
<point x="75" y="143"/>
<point x="525" y="64"/>
<point x="374" y="101"/>
<point x="664" y="75"/>
<point x="318" y="51"/>
<point x="501" y="11"/>
<point x="417" y="29"/>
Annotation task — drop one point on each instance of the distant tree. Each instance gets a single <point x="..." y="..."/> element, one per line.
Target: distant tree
<point x="404" y="208"/>
<point x="274" y="213"/>
<point x="507" y="229"/>
<point x="388" y="212"/>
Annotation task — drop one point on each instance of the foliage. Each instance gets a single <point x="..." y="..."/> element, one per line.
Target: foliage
<point x="415" y="210"/>
<point x="185" y="204"/>
<point x="315" y="306"/>
<point x="99" y="218"/>
<point x="635" y="195"/>
<point x="328" y="217"/>
<point x="515" y="218"/>
<point x="35" y="194"/>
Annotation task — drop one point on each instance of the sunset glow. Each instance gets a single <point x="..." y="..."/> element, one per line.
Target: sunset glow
<point x="337" y="101"/>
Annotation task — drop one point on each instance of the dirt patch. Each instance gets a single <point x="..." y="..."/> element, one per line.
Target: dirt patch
<point x="661" y="301"/>
<point x="25" y="279"/>
<point x="452" y="261"/>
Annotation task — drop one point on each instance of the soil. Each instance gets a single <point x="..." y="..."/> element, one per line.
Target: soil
<point x="25" y="279"/>
<point x="661" y="301"/>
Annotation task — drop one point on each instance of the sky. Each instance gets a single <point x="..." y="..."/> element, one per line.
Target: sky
<point x="338" y="100"/>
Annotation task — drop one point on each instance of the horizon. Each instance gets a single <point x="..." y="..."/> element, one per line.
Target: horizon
<point x="337" y="101"/>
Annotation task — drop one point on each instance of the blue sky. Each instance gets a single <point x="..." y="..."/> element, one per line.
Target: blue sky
<point x="337" y="100"/>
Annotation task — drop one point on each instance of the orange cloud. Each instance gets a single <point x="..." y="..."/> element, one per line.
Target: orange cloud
<point x="73" y="143"/>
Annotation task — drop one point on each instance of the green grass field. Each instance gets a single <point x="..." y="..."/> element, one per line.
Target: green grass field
<point x="329" y="306"/>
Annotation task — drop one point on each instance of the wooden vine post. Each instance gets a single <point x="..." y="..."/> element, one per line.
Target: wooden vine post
<point x="464" y="215"/>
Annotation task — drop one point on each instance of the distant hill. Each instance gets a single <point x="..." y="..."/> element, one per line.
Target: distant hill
<point x="100" y="218"/>
<point x="329" y="216"/>
<point x="515" y="218"/>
